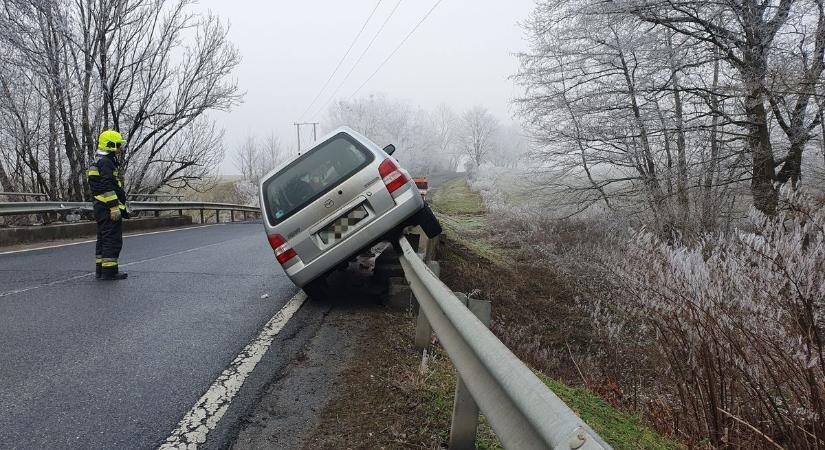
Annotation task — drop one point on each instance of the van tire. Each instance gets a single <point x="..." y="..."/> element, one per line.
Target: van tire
<point x="425" y="219"/>
<point x="317" y="289"/>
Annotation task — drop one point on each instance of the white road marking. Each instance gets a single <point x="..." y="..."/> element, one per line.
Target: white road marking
<point x="93" y="240"/>
<point x="76" y="277"/>
<point x="210" y="408"/>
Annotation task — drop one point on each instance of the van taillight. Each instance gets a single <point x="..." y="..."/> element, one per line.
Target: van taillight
<point x="392" y="175"/>
<point x="283" y="252"/>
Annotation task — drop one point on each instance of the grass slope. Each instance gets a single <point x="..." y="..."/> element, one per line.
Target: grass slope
<point x="467" y="251"/>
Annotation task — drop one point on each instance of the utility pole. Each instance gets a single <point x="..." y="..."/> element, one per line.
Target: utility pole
<point x="298" y="129"/>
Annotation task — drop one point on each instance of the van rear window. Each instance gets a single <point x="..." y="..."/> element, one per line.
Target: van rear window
<point x="313" y="175"/>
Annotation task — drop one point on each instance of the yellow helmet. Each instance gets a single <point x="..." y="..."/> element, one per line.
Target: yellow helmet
<point x="110" y="141"/>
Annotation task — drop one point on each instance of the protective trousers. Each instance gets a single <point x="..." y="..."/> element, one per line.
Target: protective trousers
<point x="109" y="239"/>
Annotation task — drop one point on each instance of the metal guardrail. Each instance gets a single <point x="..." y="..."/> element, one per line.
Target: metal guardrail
<point x="25" y="208"/>
<point x="522" y="410"/>
<point x="130" y="196"/>
<point x="172" y="206"/>
<point x="24" y="194"/>
<point x="151" y="196"/>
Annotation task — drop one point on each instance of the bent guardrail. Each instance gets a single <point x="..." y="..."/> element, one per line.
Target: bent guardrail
<point x="522" y="410"/>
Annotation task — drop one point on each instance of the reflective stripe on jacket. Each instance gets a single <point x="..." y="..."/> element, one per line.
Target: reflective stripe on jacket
<point x="105" y="182"/>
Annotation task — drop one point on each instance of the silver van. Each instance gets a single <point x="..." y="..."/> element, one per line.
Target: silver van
<point x="325" y="206"/>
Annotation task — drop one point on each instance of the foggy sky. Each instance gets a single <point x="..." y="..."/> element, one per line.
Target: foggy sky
<point x="461" y="55"/>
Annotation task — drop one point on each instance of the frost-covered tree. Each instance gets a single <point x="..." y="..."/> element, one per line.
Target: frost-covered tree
<point x="255" y="158"/>
<point x="478" y="134"/>
<point x="673" y="103"/>
<point x="390" y="121"/>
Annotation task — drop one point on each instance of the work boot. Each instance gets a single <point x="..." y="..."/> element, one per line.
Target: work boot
<point x="111" y="273"/>
<point x="98" y="270"/>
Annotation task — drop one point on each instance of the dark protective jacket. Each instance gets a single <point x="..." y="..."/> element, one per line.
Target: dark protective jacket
<point x="106" y="182"/>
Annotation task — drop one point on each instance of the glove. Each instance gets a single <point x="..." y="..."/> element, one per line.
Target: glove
<point x="114" y="214"/>
<point x="126" y="213"/>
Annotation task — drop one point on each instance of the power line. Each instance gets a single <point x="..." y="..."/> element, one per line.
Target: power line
<point x="341" y="61"/>
<point x="396" y="48"/>
<point x="359" y="58"/>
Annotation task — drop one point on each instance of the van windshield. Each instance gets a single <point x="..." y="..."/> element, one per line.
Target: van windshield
<point x="312" y="175"/>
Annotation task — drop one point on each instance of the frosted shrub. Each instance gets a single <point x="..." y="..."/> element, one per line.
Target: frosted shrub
<point x="720" y="341"/>
<point x="487" y="181"/>
<point x="736" y="325"/>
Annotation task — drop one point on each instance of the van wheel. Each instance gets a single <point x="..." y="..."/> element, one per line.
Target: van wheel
<point x="317" y="289"/>
<point x="425" y="219"/>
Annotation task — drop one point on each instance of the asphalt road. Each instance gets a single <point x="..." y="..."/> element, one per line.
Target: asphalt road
<point x="115" y="365"/>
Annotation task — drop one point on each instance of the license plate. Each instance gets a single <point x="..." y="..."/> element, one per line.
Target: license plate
<point x="341" y="226"/>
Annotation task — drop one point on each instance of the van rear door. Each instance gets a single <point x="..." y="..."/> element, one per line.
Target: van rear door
<point x="332" y="180"/>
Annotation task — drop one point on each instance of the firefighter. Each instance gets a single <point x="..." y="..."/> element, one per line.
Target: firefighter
<point x="106" y="184"/>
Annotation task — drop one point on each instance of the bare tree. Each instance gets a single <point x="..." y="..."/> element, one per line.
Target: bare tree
<point x="385" y="121"/>
<point x="427" y="141"/>
<point x="745" y="34"/>
<point x="255" y="158"/>
<point x="149" y="68"/>
<point x="671" y="101"/>
<point x="246" y="157"/>
<point x="478" y="133"/>
<point x="442" y="126"/>
<point x="511" y="146"/>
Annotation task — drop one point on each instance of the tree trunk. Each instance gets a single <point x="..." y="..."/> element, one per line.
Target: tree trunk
<point x="5" y="182"/>
<point x="765" y="196"/>
<point x="708" y="202"/>
<point x="792" y="168"/>
<point x="681" y="158"/>
<point x="52" y="143"/>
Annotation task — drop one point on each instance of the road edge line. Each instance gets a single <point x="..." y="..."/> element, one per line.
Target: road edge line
<point x="194" y="427"/>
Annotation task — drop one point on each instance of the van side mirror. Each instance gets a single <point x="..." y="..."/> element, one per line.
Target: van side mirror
<point x="389" y="149"/>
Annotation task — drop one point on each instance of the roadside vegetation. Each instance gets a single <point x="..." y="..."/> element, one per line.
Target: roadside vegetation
<point x="388" y="398"/>
<point x="667" y="230"/>
<point x="711" y="341"/>
<point x="534" y="313"/>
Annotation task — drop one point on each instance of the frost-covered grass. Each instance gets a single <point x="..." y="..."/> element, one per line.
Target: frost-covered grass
<point x="463" y="215"/>
<point x="719" y="341"/>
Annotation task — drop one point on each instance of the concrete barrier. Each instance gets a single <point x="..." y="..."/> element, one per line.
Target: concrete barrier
<point x="25" y="235"/>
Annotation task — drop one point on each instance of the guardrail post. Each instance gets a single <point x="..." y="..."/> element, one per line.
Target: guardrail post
<point x="180" y="212"/>
<point x="423" y="241"/>
<point x="423" y="329"/>
<point x="201" y="217"/>
<point x="465" y="410"/>
<point x="432" y="245"/>
<point x="231" y="215"/>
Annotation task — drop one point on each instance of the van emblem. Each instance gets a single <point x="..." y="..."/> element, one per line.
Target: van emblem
<point x="329" y="203"/>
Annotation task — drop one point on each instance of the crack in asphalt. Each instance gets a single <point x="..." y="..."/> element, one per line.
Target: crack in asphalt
<point x="193" y="429"/>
